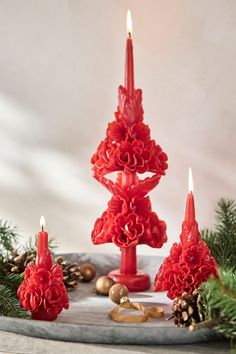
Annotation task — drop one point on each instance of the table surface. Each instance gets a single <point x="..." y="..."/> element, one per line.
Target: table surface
<point x="18" y="344"/>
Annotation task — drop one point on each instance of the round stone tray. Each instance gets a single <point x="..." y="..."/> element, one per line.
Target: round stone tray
<point x="87" y="319"/>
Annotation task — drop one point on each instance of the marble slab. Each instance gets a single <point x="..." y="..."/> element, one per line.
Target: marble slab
<point x="88" y="321"/>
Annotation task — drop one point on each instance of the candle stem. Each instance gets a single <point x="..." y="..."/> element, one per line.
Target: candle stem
<point x="129" y="67"/>
<point x="128" y="263"/>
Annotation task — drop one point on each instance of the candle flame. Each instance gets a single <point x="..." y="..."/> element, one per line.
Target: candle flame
<point x="129" y="23"/>
<point x="190" y="180"/>
<point x="42" y="222"/>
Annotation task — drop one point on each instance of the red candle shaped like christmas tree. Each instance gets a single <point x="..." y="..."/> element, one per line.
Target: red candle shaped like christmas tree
<point x="190" y="262"/>
<point x="42" y="291"/>
<point x="129" y="151"/>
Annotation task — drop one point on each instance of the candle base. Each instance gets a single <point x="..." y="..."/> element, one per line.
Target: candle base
<point x="42" y="315"/>
<point x="134" y="282"/>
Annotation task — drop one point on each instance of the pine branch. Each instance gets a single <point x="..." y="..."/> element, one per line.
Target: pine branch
<point x="12" y="280"/>
<point x="222" y="240"/>
<point x="9" y="304"/>
<point x="219" y="302"/>
<point x="8" y="237"/>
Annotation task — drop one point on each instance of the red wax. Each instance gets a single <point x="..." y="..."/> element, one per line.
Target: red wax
<point x="129" y="67"/>
<point x="189" y="263"/>
<point x="129" y="150"/>
<point x="190" y="210"/>
<point x="134" y="279"/>
<point x="42" y="291"/>
<point x="128" y="263"/>
<point x="43" y="259"/>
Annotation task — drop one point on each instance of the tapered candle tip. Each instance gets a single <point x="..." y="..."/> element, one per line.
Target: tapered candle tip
<point x="190" y="181"/>
<point x="129" y="23"/>
<point x="42" y="222"/>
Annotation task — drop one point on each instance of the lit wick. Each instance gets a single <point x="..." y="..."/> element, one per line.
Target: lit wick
<point x="190" y="181"/>
<point x="42" y="222"/>
<point x="129" y="23"/>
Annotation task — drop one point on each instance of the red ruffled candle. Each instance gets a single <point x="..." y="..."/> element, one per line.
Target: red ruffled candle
<point x="42" y="291"/>
<point x="190" y="262"/>
<point x="129" y="150"/>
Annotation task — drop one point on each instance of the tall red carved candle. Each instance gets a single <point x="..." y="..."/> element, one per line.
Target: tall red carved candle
<point x="129" y="151"/>
<point x="42" y="291"/>
<point x="190" y="262"/>
<point x="128" y="264"/>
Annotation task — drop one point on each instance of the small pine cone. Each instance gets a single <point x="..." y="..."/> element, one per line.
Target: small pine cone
<point x="17" y="263"/>
<point x="71" y="273"/>
<point x="187" y="309"/>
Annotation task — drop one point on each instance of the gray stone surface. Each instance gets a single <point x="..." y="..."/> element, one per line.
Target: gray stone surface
<point x="18" y="344"/>
<point x="88" y="319"/>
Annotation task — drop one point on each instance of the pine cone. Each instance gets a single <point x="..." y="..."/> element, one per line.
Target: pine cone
<point x="188" y="309"/>
<point x="16" y="263"/>
<point x="71" y="273"/>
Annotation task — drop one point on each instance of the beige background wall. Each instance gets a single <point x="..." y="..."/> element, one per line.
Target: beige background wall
<point x="60" y="65"/>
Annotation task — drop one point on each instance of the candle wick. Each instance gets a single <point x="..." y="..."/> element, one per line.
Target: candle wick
<point x="42" y="228"/>
<point x="129" y="34"/>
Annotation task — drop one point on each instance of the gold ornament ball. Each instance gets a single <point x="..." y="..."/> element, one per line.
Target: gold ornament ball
<point x="88" y="272"/>
<point x="118" y="291"/>
<point x="103" y="285"/>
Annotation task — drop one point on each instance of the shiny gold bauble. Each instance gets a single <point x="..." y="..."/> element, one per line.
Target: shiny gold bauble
<point x="88" y="272"/>
<point x="118" y="291"/>
<point x="103" y="285"/>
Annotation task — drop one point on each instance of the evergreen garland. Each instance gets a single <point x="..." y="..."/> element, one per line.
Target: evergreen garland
<point x="9" y="283"/>
<point x="8" y="237"/>
<point x="9" y="303"/>
<point x="218" y="297"/>
<point x="11" y="280"/>
<point x="222" y="240"/>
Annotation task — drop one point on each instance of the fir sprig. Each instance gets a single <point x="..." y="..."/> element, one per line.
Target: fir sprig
<point x="219" y="301"/>
<point x="8" y="237"/>
<point x="11" y="280"/>
<point x="9" y="303"/>
<point x="222" y="240"/>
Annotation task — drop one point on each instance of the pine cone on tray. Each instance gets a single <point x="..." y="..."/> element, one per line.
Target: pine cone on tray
<point x="71" y="273"/>
<point x="187" y="309"/>
<point x="17" y="263"/>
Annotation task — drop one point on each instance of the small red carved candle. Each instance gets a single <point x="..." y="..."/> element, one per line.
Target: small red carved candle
<point x="190" y="262"/>
<point x="42" y="291"/>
